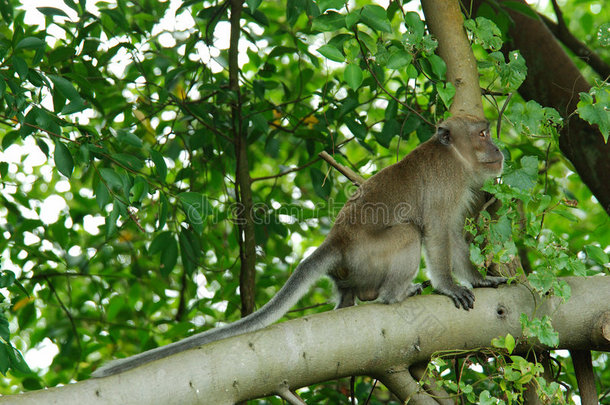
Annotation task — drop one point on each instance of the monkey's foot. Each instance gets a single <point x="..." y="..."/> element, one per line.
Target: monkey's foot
<point x="490" y="281"/>
<point x="415" y="289"/>
<point x="461" y="296"/>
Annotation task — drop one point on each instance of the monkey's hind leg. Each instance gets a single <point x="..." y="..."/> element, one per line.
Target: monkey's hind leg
<point x="403" y="267"/>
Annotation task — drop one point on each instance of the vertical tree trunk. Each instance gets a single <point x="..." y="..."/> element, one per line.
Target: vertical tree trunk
<point x="446" y="22"/>
<point x="243" y="192"/>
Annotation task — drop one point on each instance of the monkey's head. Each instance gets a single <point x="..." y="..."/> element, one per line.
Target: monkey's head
<point x="470" y="140"/>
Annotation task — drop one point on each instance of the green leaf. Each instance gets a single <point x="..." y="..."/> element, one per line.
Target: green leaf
<point x="5" y="362"/>
<point x="597" y="254"/>
<point x="20" y="66"/>
<point x="253" y="4"/>
<point x="322" y="185"/>
<point x="368" y="41"/>
<point x="353" y="76"/>
<point x="5" y="332"/>
<point x="63" y="159"/>
<point x="115" y="306"/>
<point x="476" y="256"/>
<point x="513" y="73"/>
<point x="139" y="190"/>
<point x="501" y="230"/>
<point x="159" y="242"/>
<point x="128" y="138"/>
<point x="415" y="28"/>
<point x="259" y="123"/>
<point x="510" y="343"/>
<point x="17" y="361"/>
<point x="169" y="257"/>
<point x="112" y="218"/>
<point x="329" y="21"/>
<point x="485" y="33"/>
<point x="74" y="106"/>
<point x="351" y="48"/>
<point x="542" y="282"/>
<point x="446" y="92"/>
<point x="128" y="161"/>
<point x="7" y="279"/>
<point x="112" y="179"/>
<point x="375" y="17"/>
<point x="52" y="11"/>
<point x="351" y="19"/>
<point x="102" y="195"/>
<point x="196" y="207"/>
<point x="399" y="59"/>
<point x="390" y="129"/>
<point x="391" y="110"/>
<point x="30" y="43"/>
<point x="356" y="128"/>
<point x="64" y="87"/>
<point x="326" y="4"/>
<point x="439" y="68"/>
<point x="160" y="165"/>
<point x="525" y="177"/>
<point x="163" y="210"/>
<point x="331" y="53"/>
<point x="593" y="107"/>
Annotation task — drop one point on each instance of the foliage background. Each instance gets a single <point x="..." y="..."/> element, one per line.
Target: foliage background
<point x="128" y="127"/>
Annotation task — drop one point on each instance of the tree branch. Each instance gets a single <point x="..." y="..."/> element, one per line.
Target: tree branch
<point x="368" y="339"/>
<point x="346" y="171"/>
<point x="579" y="48"/>
<point x="446" y="23"/>
<point x="243" y="183"/>
<point x="581" y="359"/>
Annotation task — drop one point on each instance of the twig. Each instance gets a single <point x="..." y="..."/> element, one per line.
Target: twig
<point x="501" y="113"/>
<point x="68" y="314"/>
<point x="346" y="171"/>
<point x="285" y="172"/>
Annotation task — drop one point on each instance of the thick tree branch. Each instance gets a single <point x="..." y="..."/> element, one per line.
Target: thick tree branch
<point x="364" y="340"/>
<point x="446" y="23"/>
<point x="579" y="48"/>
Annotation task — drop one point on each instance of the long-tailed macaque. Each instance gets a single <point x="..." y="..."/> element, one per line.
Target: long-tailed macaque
<point x="374" y="248"/>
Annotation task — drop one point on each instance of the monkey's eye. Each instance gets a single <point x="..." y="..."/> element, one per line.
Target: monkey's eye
<point x="483" y="133"/>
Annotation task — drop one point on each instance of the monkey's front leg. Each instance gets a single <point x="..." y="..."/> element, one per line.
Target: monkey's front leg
<point x="437" y="246"/>
<point x="463" y="267"/>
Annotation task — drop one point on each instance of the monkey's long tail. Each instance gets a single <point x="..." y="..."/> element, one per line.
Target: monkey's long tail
<point x="305" y="275"/>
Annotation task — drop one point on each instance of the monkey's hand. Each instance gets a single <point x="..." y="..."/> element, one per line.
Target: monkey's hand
<point x="490" y="281"/>
<point x="461" y="296"/>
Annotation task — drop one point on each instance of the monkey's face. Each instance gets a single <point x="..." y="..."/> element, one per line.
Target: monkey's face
<point x="487" y="154"/>
<point x="471" y="139"/>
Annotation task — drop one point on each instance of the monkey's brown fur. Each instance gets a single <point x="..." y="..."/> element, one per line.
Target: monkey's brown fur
<point x="374" y="249"/>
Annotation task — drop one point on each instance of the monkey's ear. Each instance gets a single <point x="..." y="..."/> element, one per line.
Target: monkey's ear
<point x="443" y="135"/>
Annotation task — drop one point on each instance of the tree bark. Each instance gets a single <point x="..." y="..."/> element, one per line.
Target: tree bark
<point x="371" y="339"/>
<point x="581" y="359"/>
<point x="243" y="189"/>
<point x="446" y="22"/>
